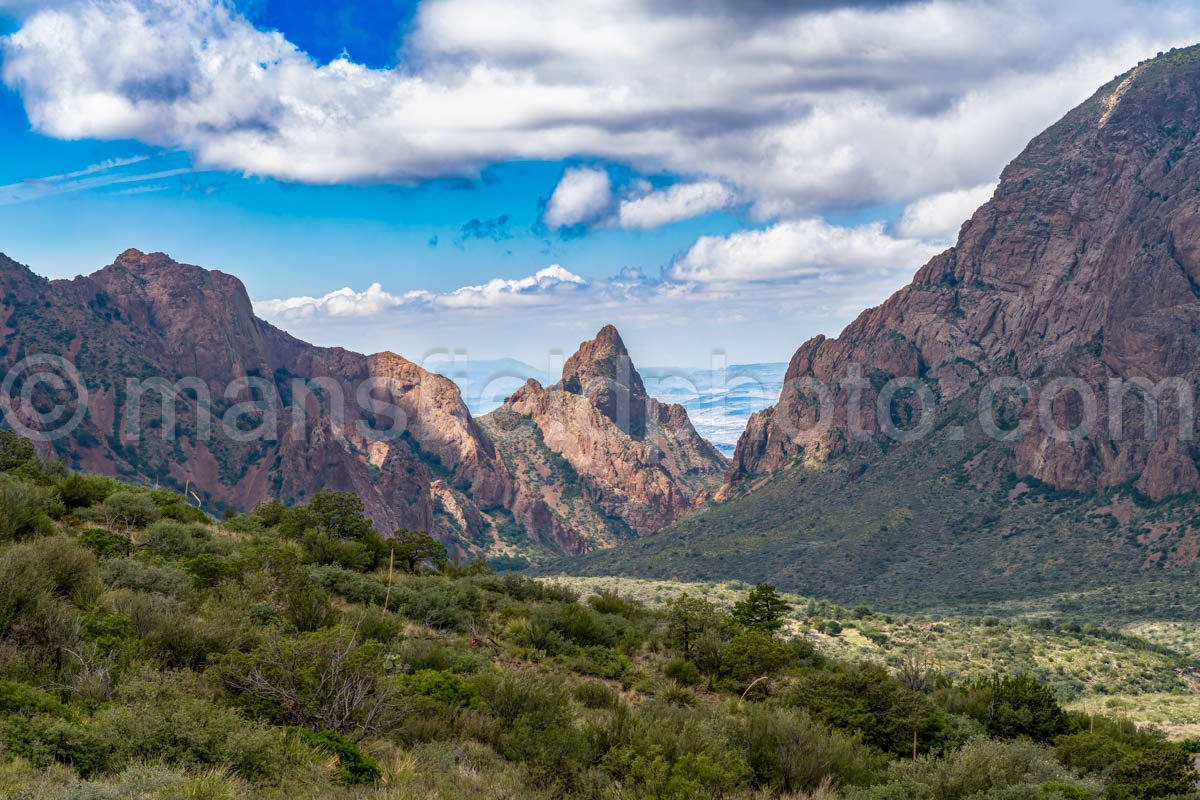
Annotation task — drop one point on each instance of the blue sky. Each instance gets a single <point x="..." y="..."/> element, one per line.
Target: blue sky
<point x="502" y="178"/>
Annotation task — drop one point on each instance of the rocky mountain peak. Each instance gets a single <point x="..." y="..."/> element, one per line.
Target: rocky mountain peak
<point x="1085" y="263"/>
<point x="602" y="371"/>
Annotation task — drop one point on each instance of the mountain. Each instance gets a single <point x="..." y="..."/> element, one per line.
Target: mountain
<point x="1078" y="283"/>
<point x="177" y="382"/>
<point x="1084" y="265"/>
<point x="610" y="459"/>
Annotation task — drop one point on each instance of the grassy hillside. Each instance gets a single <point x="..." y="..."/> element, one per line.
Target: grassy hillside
<point x="149" y="651"/>
<point x="938" y="525"/>
<point x="1148" y="672"/>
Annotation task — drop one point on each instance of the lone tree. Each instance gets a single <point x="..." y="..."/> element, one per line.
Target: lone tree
<point x="339" y="514"/>
<point x="688" y="619"/>
<point x="414" y="548"/>
<point x="762" y="610"/>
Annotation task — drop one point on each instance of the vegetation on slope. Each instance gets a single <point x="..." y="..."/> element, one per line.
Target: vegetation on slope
<point x="939" y="525"/>
<point x="149" y="652"/>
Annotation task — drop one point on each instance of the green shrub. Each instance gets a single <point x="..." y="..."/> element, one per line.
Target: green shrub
<point x="129" y="509"/>
<point x="106" y="544"/>
<point x="168" y="718"/>
<point x="445" y="687"/>
<point x="178" y="540"/>
<point x="348" y="584"/>
<point x="23" y="510"/>
<point x="326" y="679"/>
<point x="790" y="752"/>
<point x="19" y="699"/>
<point x="80" y="490"/>
<point x="987" y="768"/>
<point x="46" y="740"/>
<point x="208" y="570"/>
<point x="1013" y="706"/>
<point x="866" y="698"/>
<point x="352" y="766"/>
<point x="325" y="548"/>
<point x="753" y="654"/>
<point x="593" y="694"/>
<point x="15" y="451"/>
<point x="682" y="670"/>
<point x="436" y="602"/>
<point x="131" y="573"/>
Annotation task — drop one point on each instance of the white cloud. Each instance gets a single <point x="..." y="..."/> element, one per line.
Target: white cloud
<point x="113" y="172"/>
<point x="583" y="196"/>
<point x="678" y="202"/>
<point x="526" y="291"/>
<point x="937" y="218"/>
<point x="798" y="249"/>
<point x="539" y="288"/>
<point x="795" y="109"/>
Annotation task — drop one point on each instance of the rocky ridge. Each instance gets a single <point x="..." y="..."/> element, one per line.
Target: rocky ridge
<point x="612" y="460"/>
<point x="1084" y="265"/>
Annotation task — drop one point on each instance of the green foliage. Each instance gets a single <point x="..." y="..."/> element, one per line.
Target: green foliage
<point x="790" y="752"/>
<point x="1136" y="763"/>
<point x="105" y="544"/>
<point x="754" y="654"/>
<point x="867" y="698"/>
<point x="352" y="766"/>
<point x="207" y="569"/>
<point x="689" y="619"/>
<point x="326" y="679"/>
<point x="15" y="451"/>
<point x="259" y="661"/>
<point x="683" y="671"/>
<point x="23" y="510"/>
<point x="129" y="510"/>
<point x="339" y="514"/>
<point x="177" y="540"/>
<point x="131" y="573"/>
<point x="414" y="548"/>
<point x="81" y="490"/>
<point x="1012" y="706"/>
<point x="18" y="699"/>
<point x="762" y="610"/>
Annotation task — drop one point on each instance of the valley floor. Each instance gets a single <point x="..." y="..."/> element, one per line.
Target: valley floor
<point x="1147" y="672"/>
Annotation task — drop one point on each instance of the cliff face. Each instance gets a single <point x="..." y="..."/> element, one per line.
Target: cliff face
<point x="611" y="460"/>
<point x="1084" y="265"/>
<point x="312" y="417"/>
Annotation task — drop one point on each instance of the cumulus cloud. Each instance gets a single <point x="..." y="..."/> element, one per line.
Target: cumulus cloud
<point x="798" y="249"/>
<point x="937" y="218"/>
<point x="678" y="202"/>
<point x="583" y="196"/>
<point x="796" y="106"/>
<point x="539" y="288"/>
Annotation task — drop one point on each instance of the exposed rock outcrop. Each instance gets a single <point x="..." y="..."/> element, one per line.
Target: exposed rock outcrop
<point x="611" y="460"/>
<point x="303" y="417"/>
<point x="1085" y="264"/>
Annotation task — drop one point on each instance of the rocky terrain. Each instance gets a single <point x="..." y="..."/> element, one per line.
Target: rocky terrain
<point x="611" y="459"/>
<point x="305" y="417"/>
<point x="1085" y="265"/>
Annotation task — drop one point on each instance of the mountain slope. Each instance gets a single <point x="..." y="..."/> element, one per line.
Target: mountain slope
<point x="312" y="417"/>
<point x="185" y="386"/>
<point x="611" y="460"/>
<point x="1079" y="281"/>
<point x="1085" y="264"/>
